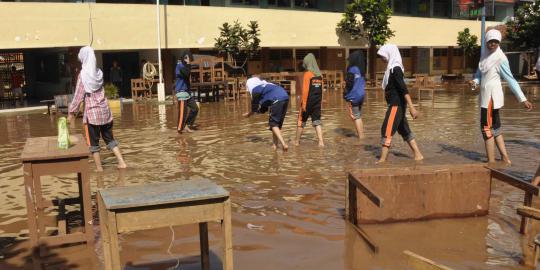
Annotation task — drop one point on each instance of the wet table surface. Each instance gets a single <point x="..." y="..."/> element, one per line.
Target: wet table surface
<point x="46" y="148"/>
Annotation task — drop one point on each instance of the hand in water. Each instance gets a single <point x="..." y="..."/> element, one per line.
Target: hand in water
<point x="527" y="105"/>
<point x="472" y="84"/>
<point x="414" y="113"/>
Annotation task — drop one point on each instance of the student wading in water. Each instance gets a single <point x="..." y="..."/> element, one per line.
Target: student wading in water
<point x="184" y="99"/>
<point x="310" y="105"/>
<point x="355" y="89"/>
<point x="494" y="65"/>
<point x="265" y="96"/>
<point x="397" y="97"/>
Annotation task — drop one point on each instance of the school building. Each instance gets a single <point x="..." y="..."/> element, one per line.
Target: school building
<point x="42" y="38"/>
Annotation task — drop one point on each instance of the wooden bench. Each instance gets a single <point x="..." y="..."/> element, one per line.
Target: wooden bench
<point x="49" y="103"/>
<point x="138" y="85"/>
<point x="143" y="207"/>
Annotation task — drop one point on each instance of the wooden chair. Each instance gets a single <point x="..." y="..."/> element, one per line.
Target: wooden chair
<point x="418" y="262"/>
<point x="530" y="212"/>
<point x="138" y="86"/>
<point x="61" y="102"/>
<point x="529" y="189"/>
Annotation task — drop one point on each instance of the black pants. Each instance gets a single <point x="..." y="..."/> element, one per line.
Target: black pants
<point x="490" y="122"/>
<point x="187" y="112"/>
<point x="313" y="110"/>
<point x="93" y="132"/>
<point x="278" y="110"/>
<point x="395" y="120"/>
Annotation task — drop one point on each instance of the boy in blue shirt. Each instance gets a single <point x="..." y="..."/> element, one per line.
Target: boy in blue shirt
<point x="267" y="96"/>
<point x="355" y="89"/>
<point x="184" y="99"/>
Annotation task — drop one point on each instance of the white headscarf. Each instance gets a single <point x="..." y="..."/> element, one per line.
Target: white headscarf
<point x="91" y="76"/>
<point x="254" y="82"/>
<point x="391" y="53"/>
<point x="489" y="59"/>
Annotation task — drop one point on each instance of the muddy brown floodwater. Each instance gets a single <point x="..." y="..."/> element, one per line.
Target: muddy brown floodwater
<point x="287" y="206"/>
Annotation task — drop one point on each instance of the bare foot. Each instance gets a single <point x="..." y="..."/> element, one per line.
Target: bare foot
<point x="380" y="161"/>
<point x="285" y="148"/>
<point x="99" y="169"/>
<point x="274" y="147"/>
<point x="296" y="143"/>
<point x="122" y="166"/>
<point x="418" y="157"/>
<point x="188" y="129"/>
<point x="321" y="144"/>
<point x="506" y="160"/>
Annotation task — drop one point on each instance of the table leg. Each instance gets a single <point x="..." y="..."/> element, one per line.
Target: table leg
<point x="226" y="228"/>
<point x="205" y="250"/>
<point x="105" y="236"/>
<point x="115" y="244"/>
<point x="40" y="207"/>
<point x="525" y="221"/>
<point x="81" y="201"/>
<point x="86" y="202"/>
<point x="30" y="203"/>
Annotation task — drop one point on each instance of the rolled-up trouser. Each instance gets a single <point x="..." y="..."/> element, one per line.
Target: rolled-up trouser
<point x="93" y="132"/>
<point x="187" y="112"/>
<point x="395" y="120"/>
<point x="490" y="122"/>
<point x="313" y="111"/>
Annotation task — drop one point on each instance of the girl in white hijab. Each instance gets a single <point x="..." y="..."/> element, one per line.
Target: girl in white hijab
<point x="494" y="65"/>
<point x="397" y="97"/>
<point x="91" y="75"/>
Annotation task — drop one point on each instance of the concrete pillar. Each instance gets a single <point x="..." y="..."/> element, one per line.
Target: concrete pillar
<point x="265" y="59"/>
<point x="414" y="60"/>
<point x="450" y="56"/>
<point x="323" y="55"/>
<point x="430" y="60"/>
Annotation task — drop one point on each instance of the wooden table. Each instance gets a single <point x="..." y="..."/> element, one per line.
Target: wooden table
<point x="209" y="87"/>
<point x="41" y="157"/>
<point x="142" y="207"/>
<point x="49" y="103"/>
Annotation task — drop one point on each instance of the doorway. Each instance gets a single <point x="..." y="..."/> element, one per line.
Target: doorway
<point x="128" y="62"/>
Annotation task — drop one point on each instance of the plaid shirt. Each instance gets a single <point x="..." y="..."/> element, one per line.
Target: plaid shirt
<point x="96" y="108"/>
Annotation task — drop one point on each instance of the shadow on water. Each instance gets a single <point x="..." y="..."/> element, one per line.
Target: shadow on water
<point x="376" y="151"/>
<point x="472" y="155"/>
<point x="524" y="143"/>
<point x="184" y="263"/>
<point x="41" y="257"/>
<point x="347" y="132"/>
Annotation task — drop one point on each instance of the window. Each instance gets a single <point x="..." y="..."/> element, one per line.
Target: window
<point x="405" y="53"/>
<point x="245" y="2"/>
<point x="279" y="3"/>
<point x="305" y="3"/>
<point x="458" y="52"/>
<point x="441" y="8"/>
<point x="8" y="63"/>
<point x="412" y="7"/>
<point x="440" y="52"/>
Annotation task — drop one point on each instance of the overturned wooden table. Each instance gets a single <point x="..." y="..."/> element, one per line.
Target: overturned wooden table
<point x="42" y="157"/>
<point x="150" y="206"/>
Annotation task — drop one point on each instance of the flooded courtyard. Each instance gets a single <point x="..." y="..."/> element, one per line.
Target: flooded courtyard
<point x="287" y="207"/>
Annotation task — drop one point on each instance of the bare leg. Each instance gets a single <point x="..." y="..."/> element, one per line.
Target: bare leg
<point x="277" y="133"/>
<point x="97" y="160"/>
<point x="536" y="179"/>
<point x="274" y="141"/>
<point x="414" y="148"/>
<point x="359" y="128"/>
<point x="384" y="154"/>
<point x="490" y="149"/>
<point x="499" y="141"/>
<point x="299" y="132"/>
<point x="318" y="130"/>
<point x="121" y="163"/>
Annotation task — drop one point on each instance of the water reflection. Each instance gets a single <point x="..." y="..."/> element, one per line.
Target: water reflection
<point x="297" y="196"/>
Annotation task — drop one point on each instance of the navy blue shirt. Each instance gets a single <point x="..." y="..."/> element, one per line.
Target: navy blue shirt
<point x="263" y="96"/>
<point x="355" y="86"/>
<point x="182" y="77"/>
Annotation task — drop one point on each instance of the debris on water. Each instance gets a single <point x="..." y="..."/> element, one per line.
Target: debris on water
<point x="255" y="227"/>
<point x="293" y="198"/>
